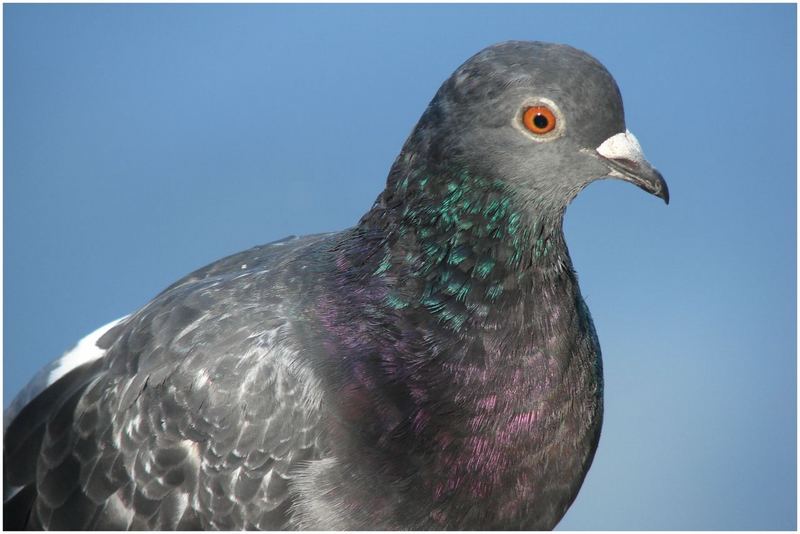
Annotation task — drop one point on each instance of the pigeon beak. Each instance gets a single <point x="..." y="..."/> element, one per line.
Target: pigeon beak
<point x="625" y="159"/>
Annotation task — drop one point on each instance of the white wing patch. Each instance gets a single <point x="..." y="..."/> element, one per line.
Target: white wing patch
<point x="84" y="352"/>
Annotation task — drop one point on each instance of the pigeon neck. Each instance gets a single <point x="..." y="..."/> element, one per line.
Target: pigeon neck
<point x="459" y="244"/>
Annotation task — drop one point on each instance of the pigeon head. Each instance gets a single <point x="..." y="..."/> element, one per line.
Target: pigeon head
<point x="546" y="119"/>
<point x="477" y="196"/>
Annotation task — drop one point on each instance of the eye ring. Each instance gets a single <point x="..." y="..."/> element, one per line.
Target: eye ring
<point x="539" y="120"/>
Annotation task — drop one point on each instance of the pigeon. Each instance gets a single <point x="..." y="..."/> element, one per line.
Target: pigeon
<point x="433" y="367"/>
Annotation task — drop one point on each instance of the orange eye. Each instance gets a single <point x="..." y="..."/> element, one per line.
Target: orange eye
<point x="539" y="119"/>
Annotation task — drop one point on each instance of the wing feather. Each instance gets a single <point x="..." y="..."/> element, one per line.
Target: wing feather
<point x="198" y="416"/>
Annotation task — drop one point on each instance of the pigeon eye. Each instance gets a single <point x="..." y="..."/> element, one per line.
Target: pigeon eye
<point x="539" y="119"/>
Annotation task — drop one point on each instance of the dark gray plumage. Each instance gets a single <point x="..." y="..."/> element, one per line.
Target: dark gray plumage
<point x="434" y="367"/>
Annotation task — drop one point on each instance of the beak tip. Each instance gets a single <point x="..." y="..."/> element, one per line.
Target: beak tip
<point x="665" y="194"/>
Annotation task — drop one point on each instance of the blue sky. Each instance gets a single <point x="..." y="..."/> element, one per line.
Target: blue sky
<point x="142" y="142"/>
